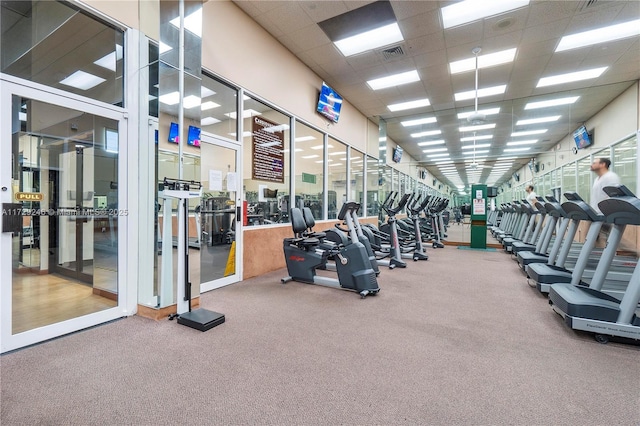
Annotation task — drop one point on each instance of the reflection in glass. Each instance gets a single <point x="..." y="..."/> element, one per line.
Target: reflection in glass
<point x="624" y="161"/>
<point x="337" y="180"/>
<point x="266" y="157"/>
<point x="373" y="186"/>
<point x="69" y="50"/>
<point x="309" y="165"/>
<point x="219" y="108"/>
<point x="356" y="177"/>
<point x="217" y="212"/>
<point x="584" y="178"/>
<point x="64" y="262"/>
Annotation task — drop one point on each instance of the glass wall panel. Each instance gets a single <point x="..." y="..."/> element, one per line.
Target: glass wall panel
<point x="385" y="179"/>
<point x="373" y="186"/>
<point x="584" y="179"/>
<point x="568" y="178"/>
<point x="309" y="168"/>
<point x="266" y="137"/>
<point x="624" y="162"/>
<point x="337" y="179"/>
<point x="55" y="44"/>
<point x="395" y="179"/>
<point x="219" y="108"/>
<point x="356" y="176"/>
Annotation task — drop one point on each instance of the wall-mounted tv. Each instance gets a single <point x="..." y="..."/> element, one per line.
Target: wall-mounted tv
<point x="582" y="138"/>
<point x="397" y="154"/>
<point x="329" y="103"/>
<point x="193" y="137"/>
<point x="174" y="136"/>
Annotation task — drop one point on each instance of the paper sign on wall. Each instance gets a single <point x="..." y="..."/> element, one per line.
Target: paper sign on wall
<point x="478" y="193"/>
<point x="215" y="180"/>
<point x="479" y="207"/>
<point x="231" y="182"/>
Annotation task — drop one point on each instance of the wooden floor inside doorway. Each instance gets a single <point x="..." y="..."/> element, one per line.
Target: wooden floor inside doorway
<point x="40" y="300"/>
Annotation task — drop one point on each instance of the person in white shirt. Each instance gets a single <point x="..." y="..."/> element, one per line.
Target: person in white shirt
<point x="531" y="195"/>
<point x="605" y="178"/>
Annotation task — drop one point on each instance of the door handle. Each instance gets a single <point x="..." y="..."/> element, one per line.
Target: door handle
<point x="238" y="214"/>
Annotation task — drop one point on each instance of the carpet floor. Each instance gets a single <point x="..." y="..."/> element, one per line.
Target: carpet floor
<point x="458" y="339"/>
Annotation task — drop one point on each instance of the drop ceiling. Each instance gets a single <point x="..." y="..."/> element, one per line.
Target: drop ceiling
<point x="535" y="30"/>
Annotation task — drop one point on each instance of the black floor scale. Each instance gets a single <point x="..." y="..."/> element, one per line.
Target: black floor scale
<point x="200" y="319"/>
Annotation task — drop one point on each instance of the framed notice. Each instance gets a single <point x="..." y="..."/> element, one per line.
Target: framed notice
<point x="267" y="160"/>
<point x="479" y="207"/>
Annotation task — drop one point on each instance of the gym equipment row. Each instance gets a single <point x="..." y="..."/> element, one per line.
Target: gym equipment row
<point x="594" y="289"/>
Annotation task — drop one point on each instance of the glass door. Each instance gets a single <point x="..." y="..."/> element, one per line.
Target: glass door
<point x="60" y="173"/>
<point x="221" y="214"/>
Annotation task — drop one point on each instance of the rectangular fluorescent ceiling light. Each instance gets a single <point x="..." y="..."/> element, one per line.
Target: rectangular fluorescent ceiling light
<point x="484" y="61"/>
<point x="478" y="127"/>
<point x="163" y="47"/>
<point x="208" y="105"/>
<point x="304" y="138"/>
<point x="599" y="35"/>
<point x="444" y="162"/>
<point x="335" y="164"/>
<point x="82" y="80"/>
<point x="427" y="151"/>
<point x="192" y="22"/>
<point x="482" y="145"/>
<point x="472" y="10"/>
<point x="244" y="134"/>
<point x="527" y="142"/>
<point x="172" y="98"/>
<point x="488" y="111"/>
<point x="207" y="121"/>
<point x="306" y="157"/>
<point x="418" y="103"/>
<point x="477" y="138"/>
<point x="205" y="92"/>
<point x="336" y="153"/>
<point x="538" y="120"/>
<point x="245" y="114"/>
<point x="431" y="143"/>
<point x="571" y="77"/>
<point x="529" y="133"/>
<point x="109" y="60"/>
<point x="506" y="158"/>
<point x="487" y="91"/>
<point x="419" y="121"/>
<point x="191" y="101"/>
<point x="552" y="102"/>
<point x="394" y="80"/>
<point x="476" y="152"/>
<point x="370" y="40"/>
<point x="446" y="154"/>
<point x="427" y="133"/>
<point x="517" y="149"/>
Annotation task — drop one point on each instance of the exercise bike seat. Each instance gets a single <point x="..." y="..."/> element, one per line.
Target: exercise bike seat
<point x="311" y="222"/>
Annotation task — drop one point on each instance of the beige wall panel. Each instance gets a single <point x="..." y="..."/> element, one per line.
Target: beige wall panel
<point x="238" y="49"/>
<point x="124" y="11"/>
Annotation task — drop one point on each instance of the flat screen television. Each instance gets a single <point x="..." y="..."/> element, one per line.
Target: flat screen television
<point x="329" y="103"/>
<point x="582" y="138"/>
<point x="193" y="137"/>
<point x="174" y="137"/>
<point x="397" y="154"/>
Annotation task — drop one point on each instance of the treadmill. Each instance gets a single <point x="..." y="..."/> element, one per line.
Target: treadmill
<point x="555" y="213"/>
<point x="525" y="230"/>
<point x="540" y="231"/>
<point x="589" y="308"/>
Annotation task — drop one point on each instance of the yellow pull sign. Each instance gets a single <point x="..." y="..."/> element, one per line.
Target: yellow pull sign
<point x="29" y="196"/>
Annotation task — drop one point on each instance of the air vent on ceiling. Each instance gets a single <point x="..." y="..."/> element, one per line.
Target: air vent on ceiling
<point x="392" y="52"/>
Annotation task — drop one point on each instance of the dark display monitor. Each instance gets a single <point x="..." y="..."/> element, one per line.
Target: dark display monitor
<point x="397" y="154"/>
<point x="174" y="136"/>
<point x="582" y="138"/>
<point x="193" y="137"/>
<point x="329" y="103"/>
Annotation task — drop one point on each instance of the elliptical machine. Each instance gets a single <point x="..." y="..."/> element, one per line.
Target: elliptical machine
<point x="304" y="255"/>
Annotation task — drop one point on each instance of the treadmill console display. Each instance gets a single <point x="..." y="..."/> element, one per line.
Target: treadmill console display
<point x="618" y="191"/>
<point x="572" y="196"/>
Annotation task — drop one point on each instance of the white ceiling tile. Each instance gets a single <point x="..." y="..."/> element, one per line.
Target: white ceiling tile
<point x="325" y="54"/>
<point x="249" y="8"/>
<point x="290" y="43"/>
<point x="338" y="67"/>
<point x="309" y="37"/>
<point x="318" y="11"/>
<point x="543" y="12"/>
<point x="419" y="25"/>
<point x="265" y="6"/>
<point x="428" y="43"/>
<point x="506" y="23"/>
<point x="289" y="17"/>
<point x="270" y="26"/>
<point x="549" y="31"/>
<point x="463" y="34"/>
<point x="615" y="47"/>
<point x="365" y="60"/>
<point x="429" y="59"/>
<point x="596" y="17"/>
<point x="529" y="49"/>
<point x="356" y="4"/>
<point x="407" y="9"/>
